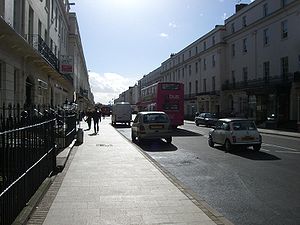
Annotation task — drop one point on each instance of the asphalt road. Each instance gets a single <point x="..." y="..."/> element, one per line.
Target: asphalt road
<point x="247" y="187"/>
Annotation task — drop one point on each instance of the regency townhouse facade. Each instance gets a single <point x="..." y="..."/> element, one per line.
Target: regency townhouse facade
<point x="247" y="67"/>
<point x="34" y="35"/>
<point x="199" y="67"/>
<point x="82" y="91"/>
<point x="263" y="57"/>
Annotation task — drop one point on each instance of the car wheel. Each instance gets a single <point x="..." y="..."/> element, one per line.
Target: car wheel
<point x="133" y="137"/>
<point x="256" y="147"/>
<point x="197" y="123"/>
<point x="169" y="140"/>
<point x="210" y="142"/>
<point x="227" y="145"/>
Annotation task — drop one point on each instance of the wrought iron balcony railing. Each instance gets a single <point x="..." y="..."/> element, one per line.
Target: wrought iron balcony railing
<point x="265" y="82"/>
<point x="37" y="42"/>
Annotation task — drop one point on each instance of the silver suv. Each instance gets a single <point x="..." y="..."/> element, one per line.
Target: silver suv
<point x="151" y="125"/>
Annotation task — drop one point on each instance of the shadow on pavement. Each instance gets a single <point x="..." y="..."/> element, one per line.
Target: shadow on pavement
<point x="156" y="146"/>
<point x="184" y="133"/>
<point x="121" y="126"/>
<point x="249" y="153"/>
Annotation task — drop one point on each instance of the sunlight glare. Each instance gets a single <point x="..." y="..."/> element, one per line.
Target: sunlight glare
<point x="125" y="3"/>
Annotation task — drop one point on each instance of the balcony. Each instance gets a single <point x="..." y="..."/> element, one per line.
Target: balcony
<point x="40" y="45"/>
<point x="275" y="81"/>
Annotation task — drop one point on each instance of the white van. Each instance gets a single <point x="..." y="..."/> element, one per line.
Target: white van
<point x="121" y="113"/>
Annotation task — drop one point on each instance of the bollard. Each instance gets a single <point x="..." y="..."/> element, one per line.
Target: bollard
<point x="79" y="140"/>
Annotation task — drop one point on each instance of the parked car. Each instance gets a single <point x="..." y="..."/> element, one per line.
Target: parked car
<point x="231" y="132"/>
<point x="206" y="118"/>
<point x="151" y="125"/>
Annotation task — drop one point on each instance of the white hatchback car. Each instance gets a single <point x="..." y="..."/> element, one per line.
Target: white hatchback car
<point x="231" y="132"/>
<point x="151" y="125"/>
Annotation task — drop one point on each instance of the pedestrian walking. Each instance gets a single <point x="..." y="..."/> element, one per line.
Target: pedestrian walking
<point x="89" y="118"/>
<point x="96" y="117"/>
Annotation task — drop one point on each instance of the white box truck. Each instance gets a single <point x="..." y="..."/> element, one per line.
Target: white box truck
<point x="121" y="113"/>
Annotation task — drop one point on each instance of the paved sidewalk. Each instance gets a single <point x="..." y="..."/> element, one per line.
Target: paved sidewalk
<point x="110" y="181"/>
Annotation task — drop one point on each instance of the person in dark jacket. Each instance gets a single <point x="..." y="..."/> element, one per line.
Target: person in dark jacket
<point x="96" y="118"/>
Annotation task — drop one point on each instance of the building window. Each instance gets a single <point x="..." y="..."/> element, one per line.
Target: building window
<point x="47" y="5"/>
<point x="56" y="18"/>
<point x="245" y="45"/>
<point x="196" y="50"/>
<point x="232" y="28"/>
<point x="204" y="45"/>
<point x="266" y="70"/>
<point x="204" y="85"/>
<point x="196" y="85"/>
<point x="190" y="53"/>
<point x="196" y="67"/>
<point x="204" y="64"/>
<point x="233" y="50"/>
<point x="284" y="29"/>
<point x="244" y="21"/>
<point x="284" y="66"/>
<point x="245" y="74"/>
<point x="213" y="59"/>
<point x="213" y="40"/>
<point x="51" y="44"/>
<point x="283" y="3"/>
<point x="182" y="57"/>
<point x="266" y="37"/>
<point x="1" y="76"/>
<point x="265" y="10"/>
<point x="233" y="77"/>
<point x="190" y="70"/>
<point x="182" y="73"/>
<point x="52" y="10"/>
<point x="190" y="88"/>
<point x="213" y="83"/>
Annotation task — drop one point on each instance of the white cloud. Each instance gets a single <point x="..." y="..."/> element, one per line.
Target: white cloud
<point x="108" y="86"/>
<point x="224" y="16"/>
<point x="173" y="25"/>
<point x="163" y="35"/>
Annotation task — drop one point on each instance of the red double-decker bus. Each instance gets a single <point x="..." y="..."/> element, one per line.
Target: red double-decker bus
<point x="167" y="97"/>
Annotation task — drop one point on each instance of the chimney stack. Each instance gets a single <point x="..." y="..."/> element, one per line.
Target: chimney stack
<point x="238" y="7"/>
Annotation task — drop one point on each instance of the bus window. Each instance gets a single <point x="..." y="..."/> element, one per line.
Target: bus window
<point x="170" y="86"/>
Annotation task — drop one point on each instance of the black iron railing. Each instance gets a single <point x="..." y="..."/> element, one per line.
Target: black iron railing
<point x="27" y="157"/>
<point x="28" y="141"/>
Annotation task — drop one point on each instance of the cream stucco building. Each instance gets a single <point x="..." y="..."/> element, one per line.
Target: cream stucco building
<point x="34" y="38"/>
<point x="247" y="67"/>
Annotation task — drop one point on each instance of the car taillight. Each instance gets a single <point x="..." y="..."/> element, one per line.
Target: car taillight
<point x="234" y="139"/>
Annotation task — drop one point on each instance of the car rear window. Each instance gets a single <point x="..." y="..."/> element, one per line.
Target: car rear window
<point x="155" y="118"/>
<point x="244" y="125"/>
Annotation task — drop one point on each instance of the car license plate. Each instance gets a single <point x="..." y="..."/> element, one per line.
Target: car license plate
<point x="248" y="138"/>
<point x="156" y="126"/>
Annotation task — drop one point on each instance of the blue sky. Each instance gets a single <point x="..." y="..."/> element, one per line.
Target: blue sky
<point x="126" y="39"/>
